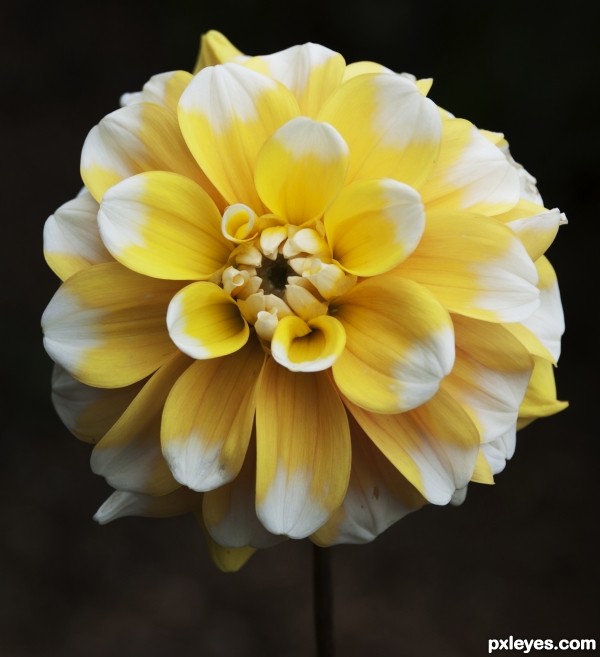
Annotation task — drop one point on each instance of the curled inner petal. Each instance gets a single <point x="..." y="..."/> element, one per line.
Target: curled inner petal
<point x="308" y="346"/>
<point x="205" y="322"/>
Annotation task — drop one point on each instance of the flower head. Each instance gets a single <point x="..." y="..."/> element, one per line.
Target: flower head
<point x="299" y="299"/>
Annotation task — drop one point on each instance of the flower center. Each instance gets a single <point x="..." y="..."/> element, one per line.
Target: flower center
<point x="279" y="269"/>
<point x="274" y="276"/>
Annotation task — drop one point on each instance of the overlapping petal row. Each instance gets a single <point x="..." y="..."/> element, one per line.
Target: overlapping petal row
<point x="298" y="300"/>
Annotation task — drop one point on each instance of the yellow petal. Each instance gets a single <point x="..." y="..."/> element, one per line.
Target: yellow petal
<point x="308" y="346"/>
<point x="537" y="232"/>
<point x="491" y="344"/>
<point x="215" y="48"/>
<point x="129" y="455"/>
<point x="301" y="169"/>
<point x="523" y="208"/>
<point x="362" y="68"/>
<point x="434" y="446"/>
<point x="482" y="474"/>
<point x="470" y="173"/>
<point x="205" y="322"/>
<point x="135" y="138"/>
<point x="530" y="341"/>
<point x="208" y="418"/>
<point x="163" y="225"/>
<point x="475" y="266"/>
<point x="540" y="398"/>
<point x="399" y="346"/>
<point x="228" y="560"/>
<point x="303" y="450"/>
<point x="373" y="225"/>
<point x="226" y="114"/>
<point x="106" y="325"/>
<point x="388" y="112"/>
<point x="312" y="72"/>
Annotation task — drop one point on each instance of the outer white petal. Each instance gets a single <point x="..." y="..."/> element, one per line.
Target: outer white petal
<point x="548" y="321"/>
<point x="527" y="183"/>
<point x="122" y="503"/>
<point x="378" y="496"/>
<point x="88" y="412"/>
<point x="71" y="237"/>
<point x="498" y="451"/>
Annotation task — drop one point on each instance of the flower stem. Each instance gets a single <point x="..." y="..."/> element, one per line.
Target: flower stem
<point x="323" y="601"/>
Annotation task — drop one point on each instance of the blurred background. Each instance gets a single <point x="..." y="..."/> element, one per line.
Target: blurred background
<point x="519" y="558"/>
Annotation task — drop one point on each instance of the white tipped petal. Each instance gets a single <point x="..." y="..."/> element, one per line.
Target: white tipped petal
<point x="71" y="237"/>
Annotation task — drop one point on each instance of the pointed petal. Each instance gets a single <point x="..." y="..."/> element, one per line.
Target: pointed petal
<point x="393" y="131"/>
<point x="470" y="173"/>
<point x="530" y="341"/>
<point x="540" y="399"/>
<point x="482" y="473"/>
<point x="303" y="450"/>
<point x="399" y="345"/>
<point x="215" y="48"/>
<point x="547" y="323"/>
<point x="475" y="266"/>
<point x="301" y="169"/>
<point x="205" y="322"/>
<point x="522" y="208"/>
<point x="165" y="89"/>
<point x="163" y="225"/>
<point x="434" y="446"/>
<point x="226" y="114"/>
<point x="312" y="72"/>
<point x="537" y="232"/>
<point x="106" y="325"/>
<point x="121" y="504"/>
<point x="308" y="347"/>
<point x="230" y="511"/>
<point x="208" y="418"/>
<point x="138" y="137"/>
<point x="378" y="496"/>
<point x="129" y="455"/>
<point x="86" y="411"/>
<point x="373" y="225"/>
<point x="228" y="560"/>
<point x="71" y="237"/>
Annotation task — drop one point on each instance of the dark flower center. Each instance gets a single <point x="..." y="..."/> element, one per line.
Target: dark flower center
<point x="274" y="275"/>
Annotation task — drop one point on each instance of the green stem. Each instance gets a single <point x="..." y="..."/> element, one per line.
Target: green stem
<point x="323" y="601"/>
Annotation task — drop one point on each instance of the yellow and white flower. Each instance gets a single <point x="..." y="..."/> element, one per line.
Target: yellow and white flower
<point x="298" y="299"/>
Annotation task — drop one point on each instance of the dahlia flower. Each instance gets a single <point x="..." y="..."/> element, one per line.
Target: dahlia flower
<point x="298" y="300"/>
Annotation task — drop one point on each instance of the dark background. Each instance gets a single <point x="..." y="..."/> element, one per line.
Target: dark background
<point x="519" y="558"/>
